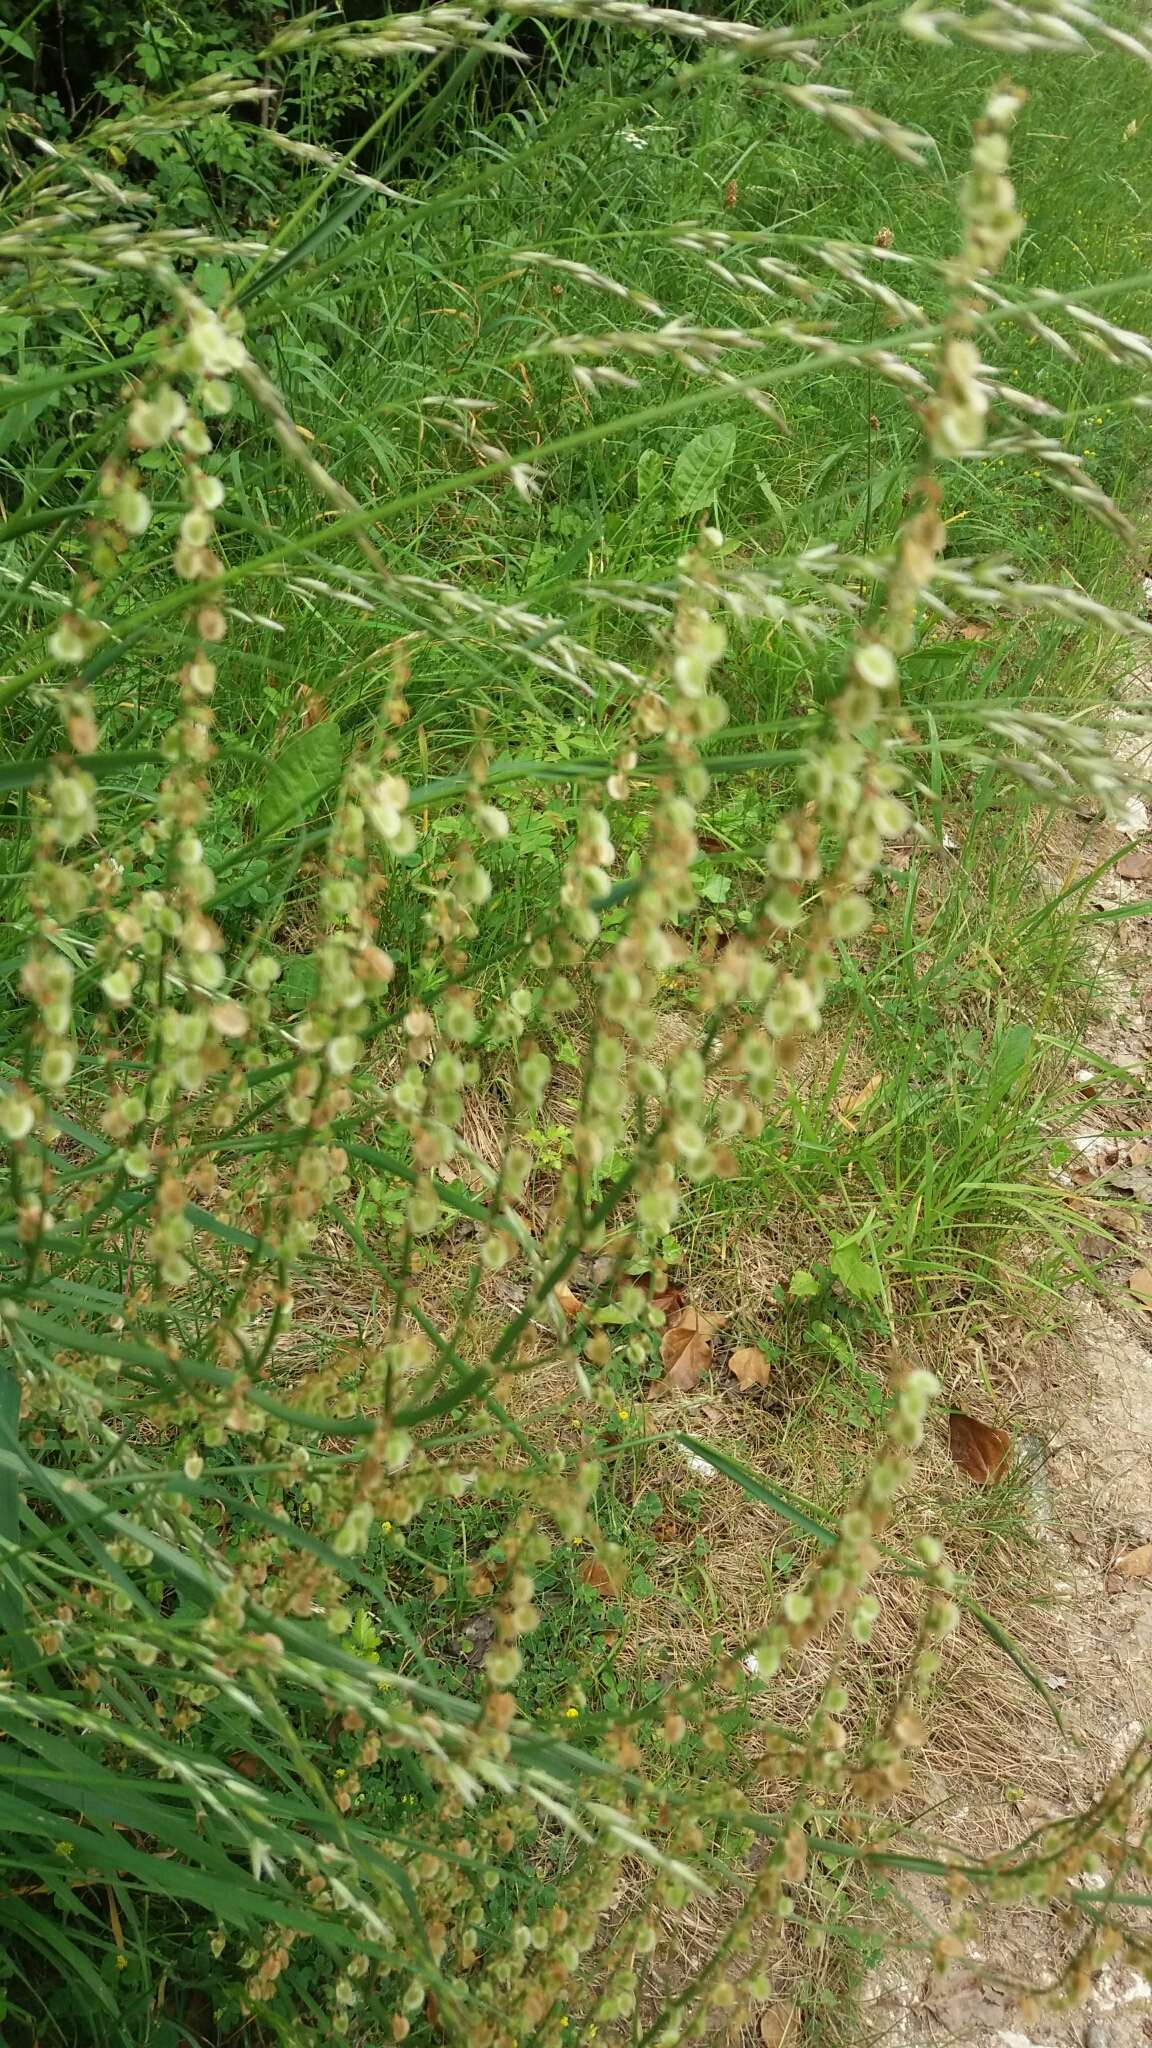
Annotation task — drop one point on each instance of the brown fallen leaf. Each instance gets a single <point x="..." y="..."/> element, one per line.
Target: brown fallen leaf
<point x="597" y="1575"/>
<point x="974" y="629"/>
<point x="1137" y="865"/>
<point x="1133" y="1566"/>
<point x="686" y="1349"/>
<point x="851" y="1105"/>
<point x="980" y="1450"/>
<point x="312" y="706"/>
<point x="569" y="1302"/>
<point x="669" y="1300"/>
<point x="777" y="2025"/>
<point x="750" y="1367"/>
<point x="1140" y="1286"/>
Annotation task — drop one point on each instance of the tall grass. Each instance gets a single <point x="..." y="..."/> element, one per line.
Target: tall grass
<point x="428" y="615"/>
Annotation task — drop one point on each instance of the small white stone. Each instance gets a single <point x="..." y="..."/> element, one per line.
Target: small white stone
<point x="1132" y="819"/>
<point x="696" y="1463"/>
<point x="1120" y="1987"/>
<point x="1094" y="1146"/>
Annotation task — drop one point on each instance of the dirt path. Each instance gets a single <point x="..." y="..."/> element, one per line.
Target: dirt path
<point x="1090" y="1403"/>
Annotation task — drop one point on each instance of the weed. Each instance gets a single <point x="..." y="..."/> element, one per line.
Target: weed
<point x="495" y="689"/>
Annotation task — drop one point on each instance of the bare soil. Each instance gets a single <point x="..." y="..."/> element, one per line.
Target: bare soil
<point x="1089" y="1403"/>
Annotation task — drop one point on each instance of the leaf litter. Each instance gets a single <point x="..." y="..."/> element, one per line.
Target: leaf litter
<point x="686" y="1349"/>
<point x="1134" y="1567"/>
<point x="750" y="1367"/>
<point x="978" y="1448"/>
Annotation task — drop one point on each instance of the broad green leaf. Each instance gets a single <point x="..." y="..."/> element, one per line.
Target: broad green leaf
<point x="298" y="983"/>
<point x="301" y="775"/>
<point x="855" y="1272"/>
<point x="803" y="1286"/>
<point x="701" y="467"/>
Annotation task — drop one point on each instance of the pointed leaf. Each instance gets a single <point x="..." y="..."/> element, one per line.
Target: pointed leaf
<point x="701" y="466"/>
<point x="649" y="473"/>
<point x="686" y="1350"/>
<point x="1012" y="1650"/>
<point x="750" y="1367"/>
<point x="855" y="1272"/>
<point x="303" y="773"/>
<point x="756" y="1489"/>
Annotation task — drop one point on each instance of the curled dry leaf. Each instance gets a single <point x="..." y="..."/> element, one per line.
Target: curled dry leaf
<point x="312" y="708"/>
<point x="980" y="1450"/>
<point x="1140" y="1286"/>
<point x="777" y="2026"/>
<point x="1130" y="1569"/>
<point x="598" y="1576"/>
<point x="848" y="1106"/>
<point x="686" y="1349"/>
<point x="1137" y="865"/>
<point x="569" y="1302"/>
<point x="750" y="1367"/>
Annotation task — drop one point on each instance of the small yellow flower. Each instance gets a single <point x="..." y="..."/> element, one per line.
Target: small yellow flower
<point x="65" y="1848"/>
<point x="121" y="1961"/>
<point x="387" y="1528"/>
<point x="623" y="1413"/>
<point x="571" y="1714"/>
<point x="340" y="1771"/>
